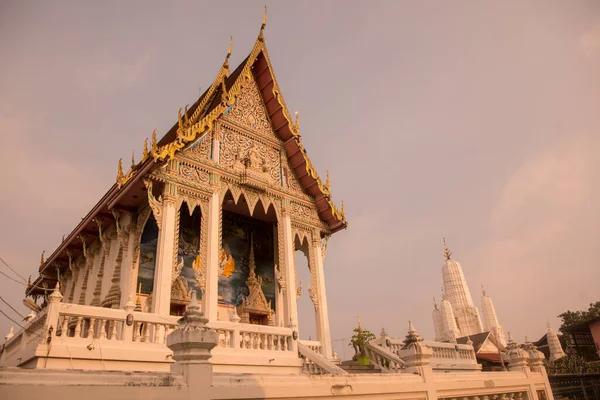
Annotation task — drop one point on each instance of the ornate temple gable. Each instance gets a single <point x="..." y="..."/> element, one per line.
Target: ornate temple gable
<point x="246" y="127"/>
<point x="249" y="112"/>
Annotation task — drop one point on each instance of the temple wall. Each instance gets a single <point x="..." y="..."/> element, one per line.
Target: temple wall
<point x="102" y="385"/>
<point x="93" y="277"/>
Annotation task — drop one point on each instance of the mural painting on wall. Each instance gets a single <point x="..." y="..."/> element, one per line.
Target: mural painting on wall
<point x="234" y="258"/>
<point x="189" y="246"/>
<point x="147" y="264"/>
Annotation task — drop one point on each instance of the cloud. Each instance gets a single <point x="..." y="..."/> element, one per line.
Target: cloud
<point x="589" y="42"/>
<point x="105" y="72"/>
<point x="535" y="231"/>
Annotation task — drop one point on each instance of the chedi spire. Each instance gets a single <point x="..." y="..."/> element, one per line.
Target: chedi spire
<point x="458" y="294"/>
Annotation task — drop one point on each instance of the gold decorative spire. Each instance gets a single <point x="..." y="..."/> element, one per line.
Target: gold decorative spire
<point x="482" y="290"/>
<point x="154" y="145"/>
<point x="343" y="211"/>
<point x="359" y="325"/>
<point x="261" y="35"/>
<point x="447" y="252"/>
<point x="42" y="258"/>
<point x="145" y="152"/>
<point x="63" y="239"/>
<point x="328" y="183"/>
<point x="29" y="282"/>
<point x="226" y="62"/>
<point x="133" y="159"/>
<point x="120" y="174"/>
<point x="297" y="123"/>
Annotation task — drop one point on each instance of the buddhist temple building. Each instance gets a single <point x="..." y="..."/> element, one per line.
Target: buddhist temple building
<point x="181" y="282"/>
<point x="217" y="205"/>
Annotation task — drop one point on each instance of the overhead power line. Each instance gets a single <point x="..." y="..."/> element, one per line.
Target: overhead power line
<point x="11" y="307"/>
<point x="21" y="326"/>
<point x="12" y="279"/>
<point x="16" y="273"/>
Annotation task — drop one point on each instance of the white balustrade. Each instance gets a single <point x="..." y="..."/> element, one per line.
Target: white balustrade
<point x="313" y="345"/>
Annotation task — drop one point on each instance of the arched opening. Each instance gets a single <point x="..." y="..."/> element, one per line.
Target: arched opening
<point x="246" y="261"/>
<point x="188" y="259"/>
<point x="147" y="263"/>
<point x="306" y="311"/>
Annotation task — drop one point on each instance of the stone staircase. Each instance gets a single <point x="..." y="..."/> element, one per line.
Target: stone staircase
<point x="353" y="367"/>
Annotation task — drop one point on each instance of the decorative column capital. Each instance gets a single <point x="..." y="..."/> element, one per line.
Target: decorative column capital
<point x="285" y="206"/>
<point x="55" y="296"/>
<point x="192" y="341"/>
<point x="215" y="181"/>
<point x="170" y="193"/>
<point x="516" y="357"/>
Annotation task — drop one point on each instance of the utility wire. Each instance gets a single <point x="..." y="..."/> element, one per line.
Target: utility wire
<point x="12" y="279"/>
<point x="21" y="283"/>
<point x="11" y="319"/>
<point x="9" y="267"/>
<point x="11" y="307"/>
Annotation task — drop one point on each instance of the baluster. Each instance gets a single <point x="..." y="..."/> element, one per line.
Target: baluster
<point x="157" y="330"/>
<point x="136" y="331"/>
<point x="77" y="328"/>
<point x="113" y="330"/>
<point x="147" y="332"/>
<point x="102" y="328"/>
<point x="91" y="331"/>
<point x="65" y="326"/>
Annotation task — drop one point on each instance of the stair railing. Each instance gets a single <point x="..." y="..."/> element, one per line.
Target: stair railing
<point x="384" y="359"/>
<point x="316" y="364"/>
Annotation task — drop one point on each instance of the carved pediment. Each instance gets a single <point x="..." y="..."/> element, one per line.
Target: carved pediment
<point x="250" y="113"/>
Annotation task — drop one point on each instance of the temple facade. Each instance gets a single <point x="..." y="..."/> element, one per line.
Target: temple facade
<point x="457" y="316"/>
<point x="180" y="283"/>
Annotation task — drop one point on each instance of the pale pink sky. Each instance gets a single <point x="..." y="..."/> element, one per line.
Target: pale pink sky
<point x="475" y="121"/>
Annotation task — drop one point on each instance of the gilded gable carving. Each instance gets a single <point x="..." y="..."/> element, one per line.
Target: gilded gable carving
<point x="236" y="147"/>
<point x="201" y="150"/>
<point x="194" y="174"/>
<point x="249" y="111"/>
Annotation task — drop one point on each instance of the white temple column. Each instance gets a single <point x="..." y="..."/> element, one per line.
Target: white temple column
<point x="322" y="314"/>
<point x="279" y="301"/>
<point x="161" y="295"/>
<point x="210" y="295"/>
<point x="128" y="280"/>
<point x="291" y="306"/>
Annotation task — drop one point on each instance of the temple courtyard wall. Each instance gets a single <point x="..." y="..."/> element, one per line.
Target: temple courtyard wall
<point x="22" y="384"/>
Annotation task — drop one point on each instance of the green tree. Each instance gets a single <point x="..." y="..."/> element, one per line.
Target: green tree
<point x="359" y="340"/>
<point x="570" y="318"/>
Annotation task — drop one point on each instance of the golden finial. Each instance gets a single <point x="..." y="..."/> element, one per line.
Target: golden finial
<point x="133" y="159"/>
<point x="359" y="325"/>
<point x="447" y="252"/>
<point x="327" y="182"/>
<point x="154" y="145"/>
<point x="297" y="123"/>
<point x="145" y="153"/>
<point x="226" y="62"/>
<point x="120" y="175"/>
<point x="343" y="210"/>
<point x="63" y="239"/>
<point x="42" y="258"/>
<point x="261" y="36"/>
<point x="29" y="282"/>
